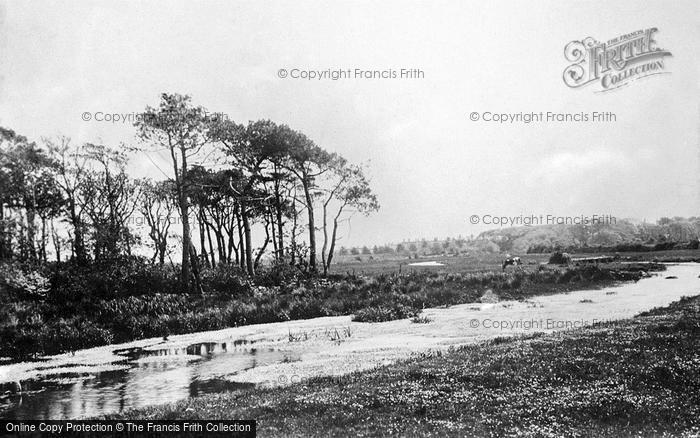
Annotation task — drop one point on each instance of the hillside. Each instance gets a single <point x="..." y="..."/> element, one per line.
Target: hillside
<point x="621" y="235"/>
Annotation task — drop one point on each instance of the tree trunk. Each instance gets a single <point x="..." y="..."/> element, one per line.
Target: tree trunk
<point x="294" y="238"/>
<point x="280" y="234"/>
<point x="333" y="239"/>
<point x="312" y="225"/>
<point x="202" y="246"/>
<point x="218" y="228"/>
<point x="262" y="249"/>
<point x="188" y="262"/>
<point x="56" y="242"/>
<point x="186" y="244"/>
<point x="325" y="239"/>
<point x="195" y="270"/>
<point x="250" y="268"/>
<point x="162" y="248"/>
<point x="241" y="241"/>
<point x="274" y="237"/>
<point x="78" y="240"/>
<point x="232" y="249"/>
<point x="43" y="240"/>
<point x="31" y="234"/>
<point x="211" y="248"/>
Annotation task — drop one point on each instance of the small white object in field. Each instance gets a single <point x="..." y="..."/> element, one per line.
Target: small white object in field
<point x="433" y="263"/>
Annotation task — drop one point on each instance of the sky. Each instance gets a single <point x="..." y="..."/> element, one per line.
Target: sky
<point x="432" y="167"/>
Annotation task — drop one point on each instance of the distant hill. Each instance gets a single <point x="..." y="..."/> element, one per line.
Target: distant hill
<point x="618" y="235"/>
<point x="622" y="235"/>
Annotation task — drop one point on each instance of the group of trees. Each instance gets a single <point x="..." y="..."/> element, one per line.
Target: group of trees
<point x="240" y="192"/>
<point x="62" y="196"/>
<point x="448" y="245"/>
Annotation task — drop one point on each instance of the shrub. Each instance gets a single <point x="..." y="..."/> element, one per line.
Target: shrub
<point x="17" y="281"/>
<point x="119" y="277"/>
<point x="384" y="313"/>
<point x="278" y="274"/>
<point x="559" y="258"/>
<point x="225" y="279"/>
<point x="421" y="319"/>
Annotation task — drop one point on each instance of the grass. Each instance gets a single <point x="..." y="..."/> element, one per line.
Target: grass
<point x="637" y="377"/>
<point x="421" y="319"/>
<point x="396" y="263"/>
<point x="482" y="262"/>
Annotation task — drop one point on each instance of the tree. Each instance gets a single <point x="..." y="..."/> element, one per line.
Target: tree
<point x="308" y="162"/>
<point x="251" y="149"/>
<point x="49" y="202"/>
<point x="71" y="170"/>
<point x="28" y="191"/>
<point x="110" y="198"/>
<point x="349" y="189"/>
<point x="181" y="129"/>
<point x="216" y="198"/>
<point x="157" y="205"/>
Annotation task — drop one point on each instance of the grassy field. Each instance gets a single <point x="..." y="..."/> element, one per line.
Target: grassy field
<point x="393" y="263"/>
<point x="482" y="262"/>
<point x="637" y="377"/>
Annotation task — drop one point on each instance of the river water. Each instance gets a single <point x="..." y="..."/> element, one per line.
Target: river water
<point x="137" y="374"/>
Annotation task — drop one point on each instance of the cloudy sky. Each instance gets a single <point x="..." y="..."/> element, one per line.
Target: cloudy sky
<point x="431" y="166"/>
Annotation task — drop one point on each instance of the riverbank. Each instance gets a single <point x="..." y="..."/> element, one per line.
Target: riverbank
<point x="636" y="377"/>
<point x="142" y="373"/>
<point x="84" y="308"/>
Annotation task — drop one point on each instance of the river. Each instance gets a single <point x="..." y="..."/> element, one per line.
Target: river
<point x="115" y="378"/>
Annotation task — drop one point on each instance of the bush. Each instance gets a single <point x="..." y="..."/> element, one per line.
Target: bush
<point x="279" y="274"/>
<point x="384" y="313"/>
<point x="559" y="258"/>
<point x="225" y="279"/>
<point x="421" y="319"/>
<point x="23" y="282"/>
<point x="120" y="277"/>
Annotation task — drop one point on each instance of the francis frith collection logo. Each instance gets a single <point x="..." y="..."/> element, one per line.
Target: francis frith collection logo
<point x="616" y="62"/>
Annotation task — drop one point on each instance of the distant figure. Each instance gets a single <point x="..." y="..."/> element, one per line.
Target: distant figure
<point x="514" y="261"/>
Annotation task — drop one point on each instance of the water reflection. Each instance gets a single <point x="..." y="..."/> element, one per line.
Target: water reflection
<point x="154" y="376"/>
